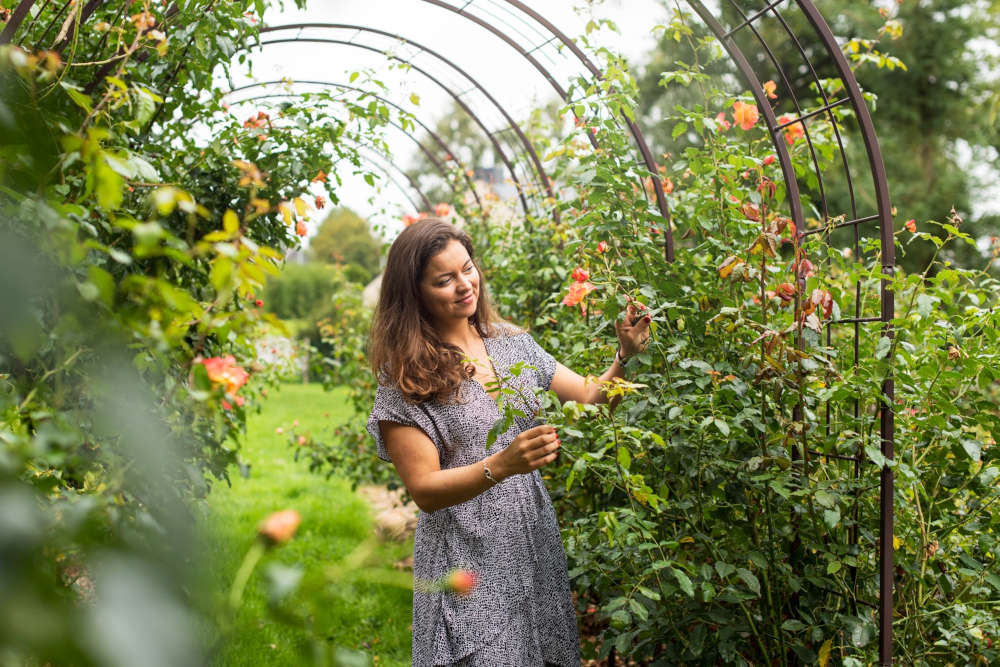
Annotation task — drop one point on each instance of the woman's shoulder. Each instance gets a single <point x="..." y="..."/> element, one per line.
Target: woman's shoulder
<point x="504" y="329"/>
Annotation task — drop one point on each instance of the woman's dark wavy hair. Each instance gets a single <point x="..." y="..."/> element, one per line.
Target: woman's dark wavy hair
<point x="404" y="347"/>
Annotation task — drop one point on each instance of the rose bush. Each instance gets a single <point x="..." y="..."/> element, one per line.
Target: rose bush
<point x="727" y="512"/>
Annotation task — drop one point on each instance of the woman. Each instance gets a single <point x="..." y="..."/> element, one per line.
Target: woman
<point x="436" y="346"/>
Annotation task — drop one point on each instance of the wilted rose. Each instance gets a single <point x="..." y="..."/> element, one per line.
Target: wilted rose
<point x="786" y="291"/>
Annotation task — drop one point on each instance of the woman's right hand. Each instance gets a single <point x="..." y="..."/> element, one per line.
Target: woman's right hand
<point x="529" y="451"/>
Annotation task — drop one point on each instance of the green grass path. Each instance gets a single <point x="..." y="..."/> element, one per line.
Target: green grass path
<point x="375" y="618"/>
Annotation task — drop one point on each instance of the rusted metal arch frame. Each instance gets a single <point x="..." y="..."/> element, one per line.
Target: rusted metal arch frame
<point x="437" y="163"/>
<point x="887" y="423"/>
<point x="532" y="153"/>
<point x="455" y="96"/>
<point x="647" y="156"/>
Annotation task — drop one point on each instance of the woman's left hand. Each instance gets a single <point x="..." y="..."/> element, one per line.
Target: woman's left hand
<point x="633" y="329"/>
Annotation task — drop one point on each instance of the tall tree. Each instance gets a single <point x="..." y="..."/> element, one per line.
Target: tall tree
<point x="344" y="238"/>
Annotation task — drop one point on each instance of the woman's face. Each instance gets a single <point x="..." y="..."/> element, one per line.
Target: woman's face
<point x="450" y="285"/>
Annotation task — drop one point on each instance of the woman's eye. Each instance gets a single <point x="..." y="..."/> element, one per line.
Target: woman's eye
<point x="468" y="269"/>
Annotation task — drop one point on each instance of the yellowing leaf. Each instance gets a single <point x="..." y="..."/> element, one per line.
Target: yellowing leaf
<point x="230" y="222"/>
<point x="300" y="205"/>
<point x="414" y="98"/>
<point x="824" y="653"/>
<point x="727" y="266"/>
<point x="286" y="212"/>
<point x="896" y="542"/>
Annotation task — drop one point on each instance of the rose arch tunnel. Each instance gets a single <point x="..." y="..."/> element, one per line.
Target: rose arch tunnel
<point x="751" y="32"/>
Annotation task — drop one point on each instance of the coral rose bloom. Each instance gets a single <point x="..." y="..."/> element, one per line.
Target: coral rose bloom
<point x="225" y="371"/>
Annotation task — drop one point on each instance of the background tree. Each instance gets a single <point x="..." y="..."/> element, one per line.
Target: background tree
<point x="345" y="239"/>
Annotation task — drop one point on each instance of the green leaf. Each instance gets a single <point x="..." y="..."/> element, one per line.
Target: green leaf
<point x="624" y="458"/>
<point x="973" y="448"/>
<point x="638" y="609"/>
<point x="831" y="518"/>
<point x="684" y="581"/>
<point x="88" y="290"/>
<point x="749" y="579"/>
<point x="83" y="101"/>
<point x="722" y="426"/>
<point x="793" y="625"/>
<point x="924" y="304"/>
<point x="875" y="456"/>
<point x="678" y="130"/>
<point x="724" y="569"/>
<point x="108" y="186"/>
<point x="833" y="567"/>
<point x="882" y="349"/>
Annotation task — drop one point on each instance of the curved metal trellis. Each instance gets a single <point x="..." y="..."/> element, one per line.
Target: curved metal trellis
<point x="455" y="96"/>
<point x="528" y="147"/>
<point x="387" y="166"/>
<point x="423" y="148"/>
<point x="647" y="156"/>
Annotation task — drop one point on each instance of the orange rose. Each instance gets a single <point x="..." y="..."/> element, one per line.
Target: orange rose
<point x="279" y="527"/>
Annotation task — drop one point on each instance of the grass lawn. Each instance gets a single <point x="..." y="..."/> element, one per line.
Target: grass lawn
<point x="371" y="617"/>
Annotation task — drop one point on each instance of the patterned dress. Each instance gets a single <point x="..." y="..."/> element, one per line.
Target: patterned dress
<point x="520" y="613"/>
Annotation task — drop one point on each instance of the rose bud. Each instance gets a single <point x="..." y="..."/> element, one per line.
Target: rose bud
<point x="461" y="582"/>
<point x="280" y="526"/>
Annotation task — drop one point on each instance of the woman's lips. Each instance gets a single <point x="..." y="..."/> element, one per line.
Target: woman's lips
<point x="466" y="300"/>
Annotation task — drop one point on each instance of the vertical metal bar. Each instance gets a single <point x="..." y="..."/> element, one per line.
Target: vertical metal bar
<point x="887" y="421"/>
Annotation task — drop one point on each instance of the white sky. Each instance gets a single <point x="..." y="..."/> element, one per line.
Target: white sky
<point x="508" y="77"/>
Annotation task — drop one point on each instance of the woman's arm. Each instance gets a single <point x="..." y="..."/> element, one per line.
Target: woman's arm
<point x="416" y="460"/>
<point x="633" y="332"/>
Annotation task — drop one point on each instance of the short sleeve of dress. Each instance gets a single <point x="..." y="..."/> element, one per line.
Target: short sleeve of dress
<point x="390" y="406"/>
<point x="544" y="362"/>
